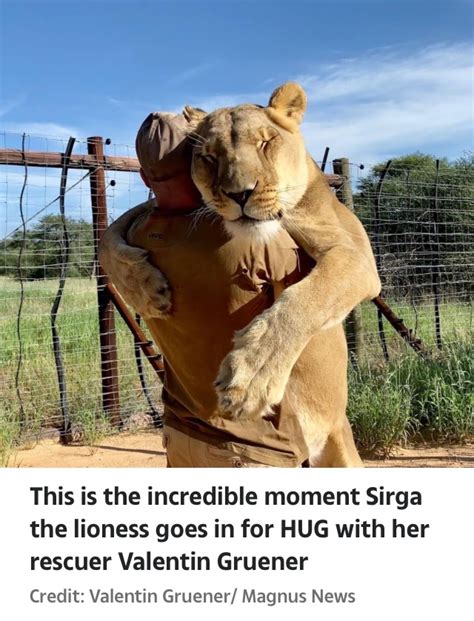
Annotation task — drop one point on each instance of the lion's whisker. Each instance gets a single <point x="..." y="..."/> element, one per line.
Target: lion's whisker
<point x="195" y="142"/>
<point x="290" y="187"/>
<point x="201" y="213"/>
<point x="187" y="132"/>
<point x="285" y="202"/>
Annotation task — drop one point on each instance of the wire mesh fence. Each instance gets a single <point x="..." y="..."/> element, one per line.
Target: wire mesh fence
<point x="419" y="218"/>
<point x="420" y="221"/>
<point x="32" y="259"/>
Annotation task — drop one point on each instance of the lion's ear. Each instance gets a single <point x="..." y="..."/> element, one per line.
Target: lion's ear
<point x="193" y="115"/>
<point x="289" y="99"/>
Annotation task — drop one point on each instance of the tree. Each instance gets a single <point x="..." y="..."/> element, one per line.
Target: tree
<point x="424" y="223"/>
<point x="43" y="251"/>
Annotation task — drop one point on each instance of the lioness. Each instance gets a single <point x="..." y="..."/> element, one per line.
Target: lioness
<point x="252" y="169"/>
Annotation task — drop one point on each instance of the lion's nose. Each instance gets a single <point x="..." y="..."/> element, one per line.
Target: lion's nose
<point x="240" y="197"/>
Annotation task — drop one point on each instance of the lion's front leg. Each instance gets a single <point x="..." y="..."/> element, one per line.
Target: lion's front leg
<point x="142" y="286"/>
<point x="139" y="282"/>
<point x="254" y="375"/>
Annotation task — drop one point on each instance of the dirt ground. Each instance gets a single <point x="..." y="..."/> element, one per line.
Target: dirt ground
<point x="144" y="450"/>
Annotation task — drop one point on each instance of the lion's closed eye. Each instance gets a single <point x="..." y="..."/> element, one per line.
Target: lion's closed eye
<point x="268" y="137"/>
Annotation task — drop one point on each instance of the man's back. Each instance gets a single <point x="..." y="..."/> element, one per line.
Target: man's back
<point x="219" y="285"/>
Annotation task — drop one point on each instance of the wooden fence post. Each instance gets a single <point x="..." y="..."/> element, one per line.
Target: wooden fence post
<point x="354" y="330"/>
<point x="108" y="341"/>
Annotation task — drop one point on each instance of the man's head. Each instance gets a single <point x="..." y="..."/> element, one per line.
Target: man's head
<point x="164" y="154"/>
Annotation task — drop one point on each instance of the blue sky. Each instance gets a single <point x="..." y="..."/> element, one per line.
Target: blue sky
<point x="383" y="76"/>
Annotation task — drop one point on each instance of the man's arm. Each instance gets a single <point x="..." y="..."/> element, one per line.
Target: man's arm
<point x="141" y="284"/>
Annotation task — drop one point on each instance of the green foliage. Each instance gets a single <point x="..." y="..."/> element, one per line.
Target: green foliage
<point x="414" y="162"/>
<point x="44" y="248"/>
<point x="379" y="411"/>
<point x="79" y="331"/>
<point x="412" y="398"/>
<point x="417" y="234"/>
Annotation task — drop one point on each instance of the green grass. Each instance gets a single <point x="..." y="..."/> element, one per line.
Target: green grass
<point x="78" y="328"/>
<point x="413" y="398"/>
<point x="407" y="399"/>
<point x="457" y="322"/>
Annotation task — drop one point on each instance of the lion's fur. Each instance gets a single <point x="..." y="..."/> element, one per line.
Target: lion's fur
<point x="295" y="352"/>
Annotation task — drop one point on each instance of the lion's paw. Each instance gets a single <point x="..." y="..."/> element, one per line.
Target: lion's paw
<point x="146" y="289"/>
<point x="253" y="376"/>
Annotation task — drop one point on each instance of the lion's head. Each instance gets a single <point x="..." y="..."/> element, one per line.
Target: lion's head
<point x="249" y="162"/>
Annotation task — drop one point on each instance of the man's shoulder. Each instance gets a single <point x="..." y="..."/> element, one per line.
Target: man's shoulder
<point x="140" y="213"/>
<point x="148" y="204"/>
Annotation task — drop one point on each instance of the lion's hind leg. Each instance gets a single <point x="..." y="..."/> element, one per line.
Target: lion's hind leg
<point x="339" y="451"/>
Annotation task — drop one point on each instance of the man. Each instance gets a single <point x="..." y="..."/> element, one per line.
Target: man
<point x="218" y="285"/>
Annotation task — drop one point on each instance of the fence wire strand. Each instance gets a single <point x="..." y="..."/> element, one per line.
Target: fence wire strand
<point x="420" y="223"/>
<point x="22" y="288"/>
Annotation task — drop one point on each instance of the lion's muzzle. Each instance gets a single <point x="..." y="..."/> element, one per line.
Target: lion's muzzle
<point x="240" y="198"/>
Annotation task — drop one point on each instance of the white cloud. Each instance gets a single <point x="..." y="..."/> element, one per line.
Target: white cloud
<point x="115" y="102"/>
<point x="11" y="104"/>
<point x="381" y="74"/>
<point x="192" y="72"/>
<point x="43" y="130"/>
<point x="384" y="104"/>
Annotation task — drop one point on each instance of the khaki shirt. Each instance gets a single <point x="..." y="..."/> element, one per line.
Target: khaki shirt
<point x="219" y="284"/>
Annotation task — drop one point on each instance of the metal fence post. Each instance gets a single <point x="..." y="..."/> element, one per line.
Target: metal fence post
<point x="378" y="254"/>
<point x="435" y="261"/>
<point x="354" y="330"/>
<point x="108" y="341"/>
